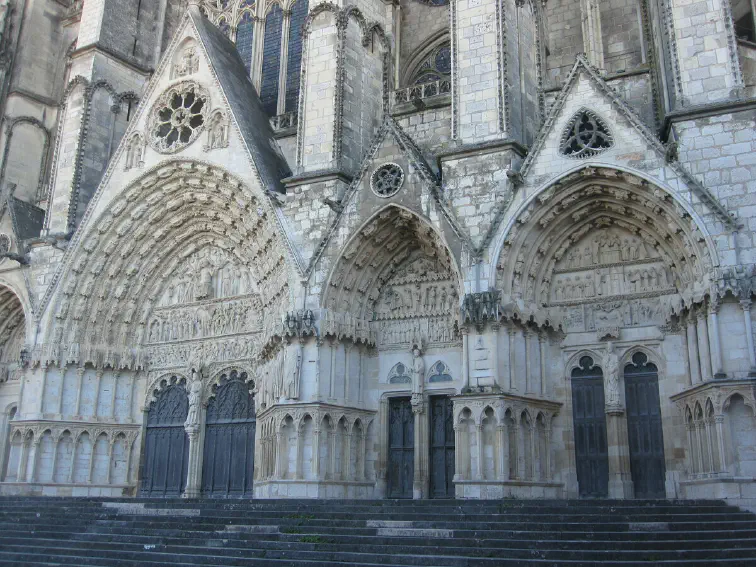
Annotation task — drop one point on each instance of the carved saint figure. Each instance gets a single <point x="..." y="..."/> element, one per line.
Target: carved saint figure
<point x="418" y="370"/>
<point x="195" y="397"/>
<point x="204" y="286"/>
<point x="611" y="376"/>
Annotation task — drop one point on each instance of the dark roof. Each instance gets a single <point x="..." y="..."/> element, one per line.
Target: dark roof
<point x="26" y="218"/>
<point x="245" y="104"/>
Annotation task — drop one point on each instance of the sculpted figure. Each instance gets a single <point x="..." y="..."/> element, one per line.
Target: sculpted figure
<point x="195" y="398"/>
<point x="611" y="376"/>
<point x="418" y="370"/>
<point x="204" y="288"/>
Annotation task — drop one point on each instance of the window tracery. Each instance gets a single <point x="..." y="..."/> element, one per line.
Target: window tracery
<point x="586" y="135"/>
<point x="435" y="67"/>
<point x="178" y="117"/>
<point x="278" y="68"/>
<point x="387" y="180"/>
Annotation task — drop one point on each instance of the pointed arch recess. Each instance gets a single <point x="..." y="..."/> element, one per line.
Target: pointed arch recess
<point x="395" y="249"/>
<point x="129" y="253"/>
<point x="589" y="199"/>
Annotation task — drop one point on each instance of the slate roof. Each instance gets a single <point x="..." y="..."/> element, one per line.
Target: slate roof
<point x="253" y="122"/>
<point x="27" y="219"/>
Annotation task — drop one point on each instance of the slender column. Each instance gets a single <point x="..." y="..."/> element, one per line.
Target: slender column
<point x="69" y="480"/>
<point x="703" y="346"/>
<point x="458" y="474"/>
<point x="418" y="410"/>
<point x="98" y="380"/>
<point x="132" y="396"/>
<point x="715" y="343"/>
<point x="383" y="420"/>
<point x="22" y="461"/>
<point x="521" y="469"/>
<point x="129" y="447"/>
<point x="692" y="449"/>
<point x="111" y="413"/>
<point x="332" y="449"/>
<point x="111" y="442"/>
<point x="298" y="460"/>
<point x="279" y="455"/>
<point x="347" y="350"/>
<point x="699" y="439"/>
<point x="91" y="462"/>
<point x="745" y="305"/>
<point x="620" y="477"/>
<point x="284" y="60"/>
<point x="547" y="432"/>
<point x="534" y="464"/>
<point x="362" y="456"/>
<point x="316" y="453"/>
<point x="528" y="357"/>
<point x="516" y="451"/>
<point x="503" y="456"/>
<point x="59" y="411"/>
<point x="346" y="466"/>
<point x="692" y="340"/>
<point x="542" y="364"/>
<point x="359" y="378"/>
<point x="42" y="391"/>
<point x="719" y="421"/>
<point x="465" y="359"/>
<point x="708" y="426"/>
<point x="512" y="358"/>
<point x="332" y="372"/>
<point x="479" y="440"/>
<point x="54" y="458"/>
<point x="34" y="458"/>
<point x="495" y="352"/>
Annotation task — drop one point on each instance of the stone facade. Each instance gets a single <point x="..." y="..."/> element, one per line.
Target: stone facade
<point x="460" y="248"/>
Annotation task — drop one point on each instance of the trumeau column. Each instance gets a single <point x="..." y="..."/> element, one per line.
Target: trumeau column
<point x="421" y="446"/>
<point x="593" y="42"/>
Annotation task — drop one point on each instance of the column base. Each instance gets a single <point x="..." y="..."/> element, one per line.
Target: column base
<point x="417" y="490"/>
<point x="191" y="493"/>
<point x="621" y="488"/>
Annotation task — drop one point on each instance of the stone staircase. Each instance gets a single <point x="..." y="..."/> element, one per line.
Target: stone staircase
<point x="319" y="533"/>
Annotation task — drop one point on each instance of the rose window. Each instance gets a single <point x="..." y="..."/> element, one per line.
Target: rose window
<point x="178" y="117"/>
<point x="387" y="180"/>
<point x="586" y="135"/>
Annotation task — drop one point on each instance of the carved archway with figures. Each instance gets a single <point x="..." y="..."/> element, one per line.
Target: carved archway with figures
<point x="601" y="250"/>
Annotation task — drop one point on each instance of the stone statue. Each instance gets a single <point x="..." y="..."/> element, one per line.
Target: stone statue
<point x="418" y="370"/>
<point x="611" y="376"/>
<point x="195" y="398"/>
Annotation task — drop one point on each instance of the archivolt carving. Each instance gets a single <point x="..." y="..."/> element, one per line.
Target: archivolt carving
<point x="397" y="273"/>
<point x="127" y="260"/>
<point x="608" y="250"/>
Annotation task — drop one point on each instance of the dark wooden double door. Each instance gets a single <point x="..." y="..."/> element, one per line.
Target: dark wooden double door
<point x="229" y="442"/>
<point x="401" y="450"/>
<point x="644" y="429"/>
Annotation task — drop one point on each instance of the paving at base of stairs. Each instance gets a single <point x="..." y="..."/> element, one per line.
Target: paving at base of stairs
<point x="318" y="533"/>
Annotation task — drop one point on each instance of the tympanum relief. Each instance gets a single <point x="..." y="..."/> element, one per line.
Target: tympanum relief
<point x="417" y="304"/>
<point x="209" y="297"/>
<point x="610" y="279"/>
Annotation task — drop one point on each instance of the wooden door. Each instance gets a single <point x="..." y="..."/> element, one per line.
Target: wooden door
<point x="441" y="447"/>
<point x="589" y="421"/>
<point x="644" y="428"/>
<point x="229" y="452"/>
<point x="166" y="447"/>
<point x="401" y="461"/>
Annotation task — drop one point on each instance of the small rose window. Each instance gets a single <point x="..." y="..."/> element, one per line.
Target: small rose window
<point x="178" y="117"/>
<point x="387" y="180"/>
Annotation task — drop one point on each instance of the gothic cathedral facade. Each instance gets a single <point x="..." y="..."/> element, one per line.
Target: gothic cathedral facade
<point x="378" y="248"/>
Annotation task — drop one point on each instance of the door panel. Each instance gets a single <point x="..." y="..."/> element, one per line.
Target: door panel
<point x="166" y="448"/>
<point x="644" y="428"/>
<point x="589" y="420"/>
<point x="441" y="447"/>
<point x="401" y="462"/>
<point x="228" y="464"/>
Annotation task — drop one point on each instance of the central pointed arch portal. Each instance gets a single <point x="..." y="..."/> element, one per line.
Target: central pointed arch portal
<point x="398" y="275"/>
